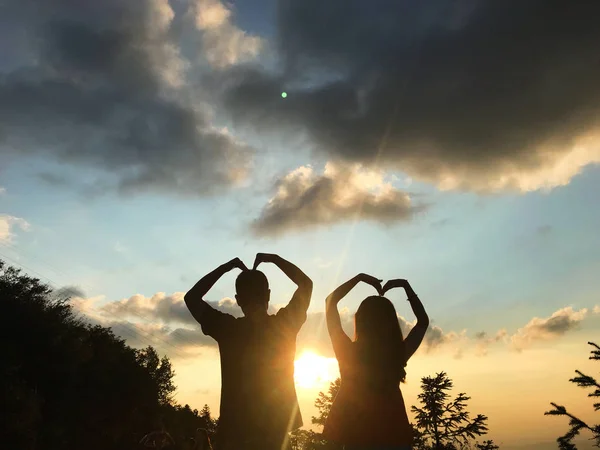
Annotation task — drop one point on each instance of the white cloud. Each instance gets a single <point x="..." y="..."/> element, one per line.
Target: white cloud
<point x="163" y="320"/>
<point x="2" y="190"/>
<point x="8" y="224"/>
<point x="555" y="167"/>
<point x="544" y="329"/>
<point x="483" y="341"/>
<point x="223" y="43"/>
<point x="343" y="192"/>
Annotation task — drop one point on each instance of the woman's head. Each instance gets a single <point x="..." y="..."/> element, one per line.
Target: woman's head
<point x="378" y="336"/>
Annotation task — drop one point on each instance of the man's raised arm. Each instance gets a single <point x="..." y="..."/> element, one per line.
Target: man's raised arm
<point x="301" y="298"/>
<point x="194" y="299"/>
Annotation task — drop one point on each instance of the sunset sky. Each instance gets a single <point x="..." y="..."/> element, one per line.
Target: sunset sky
<point x="454" y="143"/>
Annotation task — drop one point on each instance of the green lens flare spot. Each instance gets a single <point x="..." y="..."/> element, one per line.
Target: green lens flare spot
<point x="283" y="94"/>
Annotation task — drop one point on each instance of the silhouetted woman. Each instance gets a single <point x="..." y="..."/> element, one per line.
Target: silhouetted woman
<point x="369" y="411"/>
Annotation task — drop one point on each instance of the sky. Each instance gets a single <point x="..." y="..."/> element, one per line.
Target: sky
<point x="451" y="143"/>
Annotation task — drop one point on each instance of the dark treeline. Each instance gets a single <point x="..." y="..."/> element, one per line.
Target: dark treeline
<point x="66" y="384"/>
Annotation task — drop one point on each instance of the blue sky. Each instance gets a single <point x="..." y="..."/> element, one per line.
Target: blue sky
<point x="140" y="168"/>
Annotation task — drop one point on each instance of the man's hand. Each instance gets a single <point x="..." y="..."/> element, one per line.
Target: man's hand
<point x="264" y="257"/>
<point x="194" y="298"/>
<point x="236" y="263"/>
<point x="375" y="282"/>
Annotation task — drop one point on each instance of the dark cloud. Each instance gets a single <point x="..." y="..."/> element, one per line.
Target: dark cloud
<point x="68" y="292"/>
<point x="305" y="199"/>
<point x="481" y="335"/>
<point x="435" y="337"/>
<point x="466" y="94"/>
<point x="441" y="223"/>
<point x="544" y="230"/>
<point x="162" y="308"/>
<point x="159" y="321"/>
<point x="178" y="342"/>
<point x="102" y="85"/>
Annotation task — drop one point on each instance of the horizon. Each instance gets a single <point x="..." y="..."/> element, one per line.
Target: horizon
<point x="453" y="144"/>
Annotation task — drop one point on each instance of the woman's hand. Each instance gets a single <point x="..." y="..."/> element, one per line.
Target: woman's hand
<point x="371" y="280"/>
<point x="400" y="283"/>
<point x="392" y="284"/>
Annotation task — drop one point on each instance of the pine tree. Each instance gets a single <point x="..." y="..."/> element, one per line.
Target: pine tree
<point x="565" y="442"/>
<point x="324" y="402"/>
<point x="311" y="440"/>
<point x="210" y="423"/>
<point x="442" y="423"/>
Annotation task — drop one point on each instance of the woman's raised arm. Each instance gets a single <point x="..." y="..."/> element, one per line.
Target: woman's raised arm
<point x="339" y="338"/>
<point x="416" y="335"/>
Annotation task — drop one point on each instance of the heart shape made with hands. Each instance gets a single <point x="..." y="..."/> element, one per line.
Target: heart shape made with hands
<point x="382" y="289"/>
<point x="260" y="258"/>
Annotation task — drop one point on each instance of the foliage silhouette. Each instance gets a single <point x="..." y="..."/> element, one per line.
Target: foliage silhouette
<point x="161" y="372"/>
<point x="443" y="423"/>
<point x="324" y="402"/>
<point x="311" y="440"/>
<point x="67" y="384"/>
<point x="486" y="445"/>
<point x="576" y="425"/>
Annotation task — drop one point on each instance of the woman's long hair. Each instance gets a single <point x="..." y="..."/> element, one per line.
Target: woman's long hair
<point x="379" y="340"/>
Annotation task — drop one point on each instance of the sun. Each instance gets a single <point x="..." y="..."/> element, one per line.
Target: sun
<point x="312" y="370"/>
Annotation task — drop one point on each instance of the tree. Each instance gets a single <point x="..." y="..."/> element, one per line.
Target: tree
<point x="576" y="425"/>
<point x="183" y="423"/>
<point x="442" y="423"/>
<point x="311" y="440"/>
<point x="209" y="424"/>
<point x="324" y="402"/>
<point x="161" y="372"/>
<point x="307" y="440"/>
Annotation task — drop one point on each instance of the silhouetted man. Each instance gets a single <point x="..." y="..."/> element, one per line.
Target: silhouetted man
<point x="259" y="406"/>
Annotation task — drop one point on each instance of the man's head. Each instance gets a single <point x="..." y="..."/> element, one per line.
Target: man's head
<point x="252" y="292"/>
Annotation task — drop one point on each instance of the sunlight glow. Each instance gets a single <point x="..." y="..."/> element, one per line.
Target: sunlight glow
<point x="312" y="370"/>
